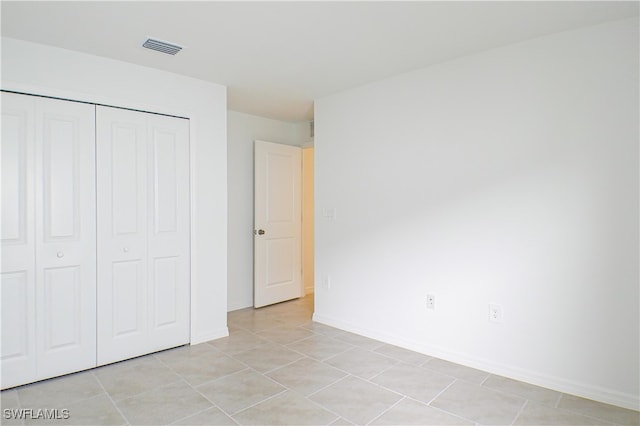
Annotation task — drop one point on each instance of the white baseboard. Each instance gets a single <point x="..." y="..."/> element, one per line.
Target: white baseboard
<point x="238" y="305"/>
<point x="559" y="384"/>
<point x="218" y="334"/>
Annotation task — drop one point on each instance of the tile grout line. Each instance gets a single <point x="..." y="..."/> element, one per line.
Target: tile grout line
<point x="214" y="404"/>
<point x="440" y="393"/>
<point x="441" y="410"/>
<point x="385" y="411"/>
<point x="330" y="384"/>
<point x="485" y="379"/>
<point x="520" y="411"/>
<point x="286" y="365"/>
<point x="557" y="404"/>
<point x="22" y="421"/>
<point x="111" y="399"/>
<point x="283" y="391"/>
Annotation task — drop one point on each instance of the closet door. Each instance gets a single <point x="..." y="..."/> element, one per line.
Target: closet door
<point x="143" y="233"/>
<point x="48" y="238"/>
<point x="18" y="283"/>
<point x="65" y="236"/>
<point x="168" y="234"/>
<point x="122" y="234"/>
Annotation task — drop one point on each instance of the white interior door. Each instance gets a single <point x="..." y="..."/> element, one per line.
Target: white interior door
<point x="168" y="234"/>
<point x="122" y="234"/>
<point x="48" y="238"/>
<point x="18" y="285"/>
<point x="277" y="223"/>
<point x="65" y="236"/>
<point x="143" y="233"/>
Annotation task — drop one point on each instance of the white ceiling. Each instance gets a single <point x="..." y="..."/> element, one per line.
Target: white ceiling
<point x="277" y="57"/>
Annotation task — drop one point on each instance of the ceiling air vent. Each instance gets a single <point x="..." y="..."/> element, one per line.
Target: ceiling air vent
<point x="162" y="46"/>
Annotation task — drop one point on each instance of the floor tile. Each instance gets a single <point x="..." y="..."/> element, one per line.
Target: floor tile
<point x="182" y="353"/>
<point x="525" y="390"/>
<point x="360" y="341"/>
<point x="256" y="325"/>
<point x="163" y="405"/>
<point x="416" y="382"/>
<point x="481" y="405"/>
<point x="129" y="378"/>
<point x="342" y="422"/>
<point x="9" y="398"/>
<point x="202" y="369"/>
<point x="326" y="330"/>
<point x="237" y="342"/>
<point x="456" y="370"/>
<point x="210" y="417"/>
<point x="361" y="363"/>
<point x="9" y="401"/>
<point x="295" y="318"/>
<point x="609" y="413"/>
<point x="254" y="321"/>
<point x="285" y="335"/>
<point x="401" y="354"/>
<point x="288" y="408"/>
<point x="250" y="377"/>
<point x="356" y="400"/>
<point x="410" y="412"/>
<point x="320" y="347"/>
<point x="535" y="414"/>
<point x="268" y="357"/>
<point x="98" y="410"/>
<point x="240" y="390"/>
<point x="59" y="392"/>
<point x="306" y="376"/>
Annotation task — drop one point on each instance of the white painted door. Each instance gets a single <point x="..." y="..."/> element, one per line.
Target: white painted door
<point x="121" y="144"/>
<point x="65" y="236"/>
<point x="277" y="223"/>
<point x="18" y="285"/>
<point x="143" y="233"/>
<point x="169" y="231"/>
<point x="48" y="238"/>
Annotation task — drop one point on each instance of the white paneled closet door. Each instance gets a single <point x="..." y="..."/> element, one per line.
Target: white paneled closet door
<point x="48" y="238"/>
<point x="143" y="233"/>
<point x="65" y="236"/>
<point x="18" y="286"/>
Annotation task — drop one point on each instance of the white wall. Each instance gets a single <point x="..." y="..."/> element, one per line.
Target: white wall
<point x="39" y="69"/>
<point x="507" y="177"/>
<point x="243" y="130"/>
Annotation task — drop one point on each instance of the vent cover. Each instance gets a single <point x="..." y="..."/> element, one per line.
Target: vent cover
<point x="162" y="46"/>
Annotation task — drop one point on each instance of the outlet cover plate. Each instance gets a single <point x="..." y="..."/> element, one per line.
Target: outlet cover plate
<point x="495" y="313"/>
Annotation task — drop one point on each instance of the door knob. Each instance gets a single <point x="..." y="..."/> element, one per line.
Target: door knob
<point x="260" y="231"/>
<point x="60" y="254"/>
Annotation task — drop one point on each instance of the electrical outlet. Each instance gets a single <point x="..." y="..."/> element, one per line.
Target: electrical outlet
<point x="431" y="301"/>
<point x="495" y="313"/>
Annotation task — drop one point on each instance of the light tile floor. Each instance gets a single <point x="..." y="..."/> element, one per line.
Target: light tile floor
<point x="278" y="367"/>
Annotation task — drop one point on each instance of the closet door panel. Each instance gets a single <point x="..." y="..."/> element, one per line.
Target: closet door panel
<point x="65" y="236"/>
<point x="17" y="280"/>
<point x="122" y="234"/>
<point x="169" y="231"/>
